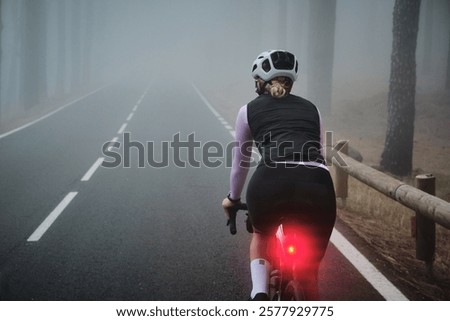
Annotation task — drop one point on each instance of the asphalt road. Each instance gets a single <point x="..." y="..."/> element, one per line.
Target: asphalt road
<point x="129" y="233"/>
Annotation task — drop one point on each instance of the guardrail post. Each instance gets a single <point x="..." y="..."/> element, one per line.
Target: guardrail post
<point x="341" y="184"/>
<point x="425" y="227"/>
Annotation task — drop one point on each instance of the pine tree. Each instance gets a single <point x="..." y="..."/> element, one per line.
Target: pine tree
<point x="398" y="149"/>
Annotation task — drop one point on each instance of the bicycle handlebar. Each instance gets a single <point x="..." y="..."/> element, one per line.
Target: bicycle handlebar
<point x="233" y="213"/>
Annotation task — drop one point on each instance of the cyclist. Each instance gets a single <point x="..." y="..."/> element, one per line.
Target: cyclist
<point x="291" y="179"/>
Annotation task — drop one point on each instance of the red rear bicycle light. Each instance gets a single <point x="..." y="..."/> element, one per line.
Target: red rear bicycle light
<point x="294" y="246"/>
<point x="291" y="249"/>
<point x="289" y="246"/>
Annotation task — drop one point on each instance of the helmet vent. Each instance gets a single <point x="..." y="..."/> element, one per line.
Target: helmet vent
<point x="266" y="65"/>
<point x="283" y="60"/>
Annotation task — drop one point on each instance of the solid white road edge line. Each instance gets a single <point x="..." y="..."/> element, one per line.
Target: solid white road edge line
<point x="45" y="225"/>
<point x="50" y="113"/>
<point x="367" y="270"/>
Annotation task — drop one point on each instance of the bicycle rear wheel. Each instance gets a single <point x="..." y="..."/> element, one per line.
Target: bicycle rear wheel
<point x="293" y="292"/>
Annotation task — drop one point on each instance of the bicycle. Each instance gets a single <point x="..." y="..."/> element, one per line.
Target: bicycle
<point x="287" y="257"/>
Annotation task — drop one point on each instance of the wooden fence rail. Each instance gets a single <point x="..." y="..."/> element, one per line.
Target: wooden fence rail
<point x="427" y="205"/>
<point x="430" y="210"/>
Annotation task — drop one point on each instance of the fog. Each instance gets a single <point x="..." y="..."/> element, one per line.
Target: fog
<point x="137" y="75"/>
<point x="54" y="49"/>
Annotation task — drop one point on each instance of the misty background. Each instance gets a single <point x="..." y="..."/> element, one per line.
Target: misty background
<point x="56" y="50"/>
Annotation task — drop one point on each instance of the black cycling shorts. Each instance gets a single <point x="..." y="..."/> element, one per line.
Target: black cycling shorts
<point x="300" y="193"/>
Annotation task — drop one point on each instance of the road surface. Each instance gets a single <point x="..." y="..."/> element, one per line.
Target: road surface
<point x="73" y="228"/>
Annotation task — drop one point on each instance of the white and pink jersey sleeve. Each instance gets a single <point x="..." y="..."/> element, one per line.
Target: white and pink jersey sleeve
<point x="241" y="154"/>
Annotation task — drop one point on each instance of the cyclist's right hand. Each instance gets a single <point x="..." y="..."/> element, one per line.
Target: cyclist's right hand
<point x="228" y="206"/>
<point x="231" y="208"/>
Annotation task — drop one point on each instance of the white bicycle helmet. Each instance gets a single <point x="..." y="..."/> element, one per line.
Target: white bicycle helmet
<point x="275" y="63"/>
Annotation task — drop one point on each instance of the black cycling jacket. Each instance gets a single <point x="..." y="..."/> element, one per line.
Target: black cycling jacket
<point x="285" y="129"/>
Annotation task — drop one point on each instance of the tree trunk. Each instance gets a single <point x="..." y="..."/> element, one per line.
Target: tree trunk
<point x="1" y="60"/>
<point x="88" y="9"/>
<point x="428" y="37"/>
<point x="30" y="54"/>
<point x="76" y="45"/>
<point x="322" y="18"/>
<point x="42" y="49"/>
<point x="398" y="149"/>
<point x="12" y="86"/>
<point x="447" y="81"/>
<point x="61" y="64"/>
